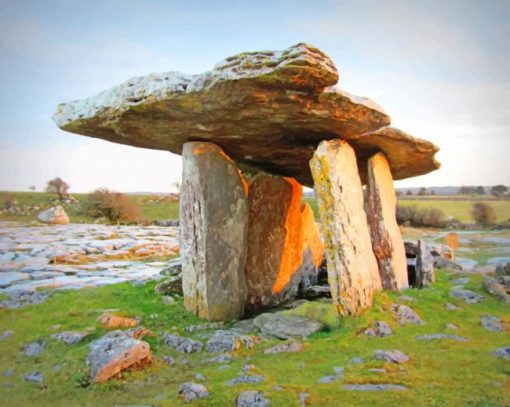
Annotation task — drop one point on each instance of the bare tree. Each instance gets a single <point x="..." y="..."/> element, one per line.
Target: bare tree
<point x="59" y="187"/>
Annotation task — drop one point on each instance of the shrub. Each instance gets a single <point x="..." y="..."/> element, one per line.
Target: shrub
<point x="483" y="214"/>
<point x="9" y="201"/>
<point x="115" y="206"/>
<point x="430" y="217"/>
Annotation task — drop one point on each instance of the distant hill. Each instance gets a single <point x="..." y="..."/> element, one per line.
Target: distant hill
<point x="440" y="190"/>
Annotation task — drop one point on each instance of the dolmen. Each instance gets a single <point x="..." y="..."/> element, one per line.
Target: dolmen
<point x="252" y="132"/>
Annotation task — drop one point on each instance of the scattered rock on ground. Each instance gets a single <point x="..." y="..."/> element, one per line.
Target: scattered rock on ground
<point x="468" y="296"/>
<point x="491" y="323"/>
<point x="6" y="334"/>
<point x="374" y="387"/>
<point x="498" y="287"/>
<point x="203" y="327"/>
<point x="327" y="379"/>
<point x="452" y="307"/>
<point x="356" y="361"/>
<point x="192" y="391"/>
<point x="291" y="346"/>
<point x="185" y="345"/>
<point x="379" y="329"/>
<point x="55" y="215"/>
<point x="70" y="337"/>
<point x="406" y="315"/>
<point x="393" y="356"/>
<point x="251" y="398"/>
<point x="116" y="321"/>
<point x="430" y="337"/>
<point x="245" y="379"/>
<point x="34" y="377"/>
<point x="227" y="341"/>
<point x="8" y="372"/>
<point x="502" y="353"/>
<point x="170" y="361"/>
<point x="115" y="352"/>
<point x="223" y="358"/>
<point x="34" y="348"/>
<point x="18" y="299"/>
<point x="286" y="327"/>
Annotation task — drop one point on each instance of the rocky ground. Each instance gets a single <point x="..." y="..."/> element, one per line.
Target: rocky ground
<point x="448" y="344"/>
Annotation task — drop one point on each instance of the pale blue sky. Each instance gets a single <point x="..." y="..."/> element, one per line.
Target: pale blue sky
<point x="439" y="68"/>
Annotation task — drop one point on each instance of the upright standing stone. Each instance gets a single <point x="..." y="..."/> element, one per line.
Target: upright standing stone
<point x="424" y="266"/>
<point x="214" y="225"/>
<point x="275" y="239"/>
<point x="387" y="241"/>
<point x="352" y="268"/>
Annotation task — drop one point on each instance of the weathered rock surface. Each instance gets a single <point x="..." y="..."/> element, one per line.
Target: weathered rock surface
<point x="387" y="241"/>
<point x="286" y="327"/>
<point x="289" y="347"/>
<point x="375" y="387"/>
<point x="492" y="323"/>
<point x="245" y="379"/>
<point x="55" y="215"/>
<point x="35" y="377"/>
<point x="115" y="352"/>
<point x="498" y="286"/>
<point x="468" y="296"/>
<point x="227" y="341"/>
<point x="424" y="266"/>
<point x="70" y="337"/>
<point x="431" y="337"/>
<point x="406" y="315"/>
<point x="275" y="240"/>
<point x="185" y="345"/>
<point x="393" y="356"/>
<point x="249" y="101"/>
<point x="379" y="329"/>
<point x="251" y="398"/>
<point x="214" y="219"/>
<point x="34" y="349"/>
<point x="503" y="353"/>
<point x="191" y="391"/>
<point x="353" y="273"/>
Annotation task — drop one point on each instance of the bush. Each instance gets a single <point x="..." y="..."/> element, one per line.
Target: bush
<point x="59" y="187"/>
<point x="114" y="206"/>
<point x="10" y="201"/>
<point x="483" y="214"/>
<point x="421" y="217"/>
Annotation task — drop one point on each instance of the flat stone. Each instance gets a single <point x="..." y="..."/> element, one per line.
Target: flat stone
<point x="203" y="327"/>
<point x="251" y="398"/>
<point x="503" y="353"/>
<point x="393" y="356"/>
<point x="245" y="379"/>
<point x="8" y="372"/>
<point x="70" y="337"/>
<point x="185" y="345"/>
<point x="353" y="273"/>
<point x="406" y="315"/>
<point x="327" y="379"/>
<point x="192" y="391"/>
<point x="356" y="361"/>
<point x="289" y="347"/>
<point x="115" y="352"/>
<point x="34" y="349"/>
<point x="214" y="219"/>
<point x="227" y="341"/>
<point x="468" y="296"/>
<point x="491" y="323"/>
<point x="374" y="387"/>
<point x="223" y="358"/>
<point x="379" y="329"/>
<point x="282" y="99"/>
<point x="35" y="377"/>
<point x="460" y="281"/>
<point x="170" y="361"/>
<point x="286" y="327"/>
<point x="387" y="242"/>
<point x="452" y="307"/>
<point x="430" y="337"/>
<point x="12" y="277"/>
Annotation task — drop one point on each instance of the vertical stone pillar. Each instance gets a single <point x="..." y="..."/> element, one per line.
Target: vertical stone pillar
<point x="275" y="240"/>
<point x="214" y="225"/>
<point x="387" y="241"/>
<point x="352" y="268"/>
<point x="424" y="266"/>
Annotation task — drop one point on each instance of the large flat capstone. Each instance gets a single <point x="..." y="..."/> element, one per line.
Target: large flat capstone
<point x="214" y="225"/>
<point x="353" y="273"/>
<point x="267" y="110"/>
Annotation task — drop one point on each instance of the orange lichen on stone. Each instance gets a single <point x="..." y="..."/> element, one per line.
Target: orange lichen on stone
<point x="115" y="321"/>
<point x="292" y="254"/>
<point x="69" y="258"/>
<point x="141" y="332"/>
<point x="137" y="355"/>
<point x="311" y="236"/>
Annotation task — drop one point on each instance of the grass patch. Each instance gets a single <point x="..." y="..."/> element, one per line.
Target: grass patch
<point x="440" y="372"/>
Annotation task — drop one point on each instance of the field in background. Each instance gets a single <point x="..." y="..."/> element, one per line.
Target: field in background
<point x="154" y="208"/>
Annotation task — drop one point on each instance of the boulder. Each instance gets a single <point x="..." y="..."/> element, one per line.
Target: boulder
<point x="191" y="391"/>
<point x="184" y="345"/>
<point x="214" y="219"/>
<point x="251" y="398"/>
<point x="387" y="241"/>
<point x="268" y="110"/>
<point x="353" y="273"/>
<point x="379" y="329"/>
<point x="498" y="287"/>
<point x="115" y="352"/>
<point x="392" y="356"/>
<point x="55" y="215"/>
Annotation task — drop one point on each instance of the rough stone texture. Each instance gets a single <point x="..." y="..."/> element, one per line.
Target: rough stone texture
<point x="468" y="296"/>
<point x="387" y="241"/>
<point x="289" y="347"/>
<point x="286" y="327"/>
<point x="70" y="337"/>
<point x="498" y="287"/>
<point x="313" y="248"/>
<point x="245" y="379"/>
<point x="214" y="219"/>
<point x="424" y="266"/>
<point x="251" y="398"/>
<point x="114" y="352"/>
<point x="282" y="99"/>
<point x="34" y="349"/>
<point x="406" y="315"/>
<point x="353" y="274"/>
<point x="185" y="345"/>
<point x="227" y="341"/>
<point x="374" y="387"/>
<point x="393" y="356"/>
<point x="275" y="240"/>
<point x="55" y="215"/>
<point x="192" y="391"/>
<point x="492" y="323"/>
<point x="379" y="329"/>
<point x="503" y="353"/>
<point x="34" y="377"/>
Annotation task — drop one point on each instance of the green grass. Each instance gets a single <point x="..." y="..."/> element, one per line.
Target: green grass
<point x="460" y="210"/>
<point x="150" y="211"/>
<point x="441" y="373"/>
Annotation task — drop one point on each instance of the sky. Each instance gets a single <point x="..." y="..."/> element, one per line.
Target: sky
<point x="440" y="69"/>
